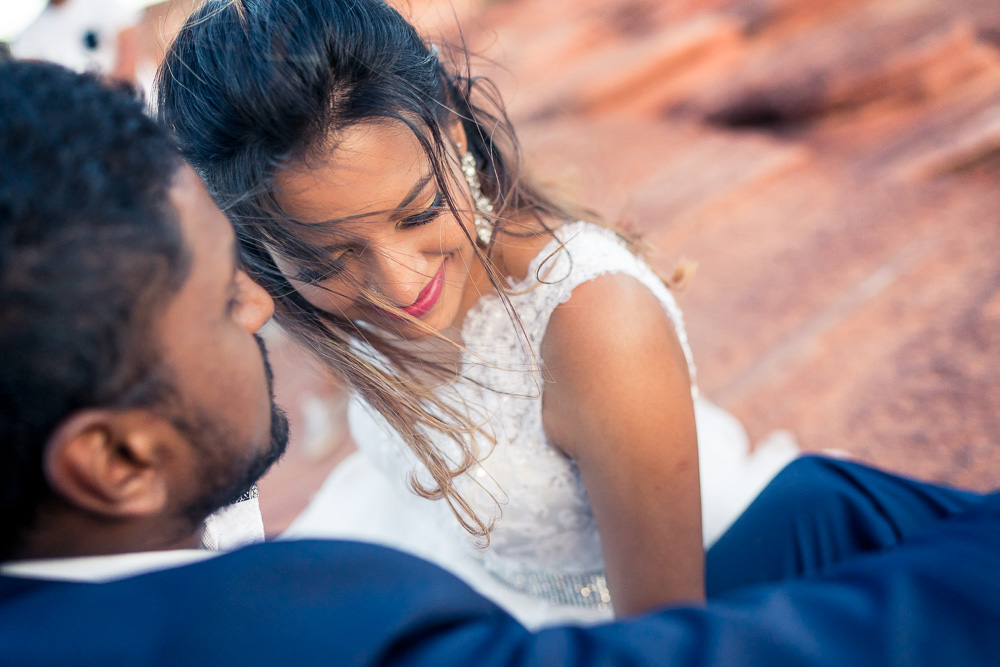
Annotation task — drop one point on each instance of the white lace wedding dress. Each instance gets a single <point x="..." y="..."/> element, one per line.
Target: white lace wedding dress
<point x="544" y="562"/>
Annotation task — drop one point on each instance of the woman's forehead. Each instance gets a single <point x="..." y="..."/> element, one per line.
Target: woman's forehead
<point x="373" y="168"/>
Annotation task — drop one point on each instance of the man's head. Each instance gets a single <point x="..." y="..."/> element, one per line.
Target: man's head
<point x="134" y="394"/>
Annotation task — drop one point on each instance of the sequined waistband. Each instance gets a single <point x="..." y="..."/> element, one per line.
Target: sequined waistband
<point x="576" y="590"/>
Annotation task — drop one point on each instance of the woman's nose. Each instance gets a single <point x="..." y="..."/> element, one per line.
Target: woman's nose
<point x="400" y="271"/>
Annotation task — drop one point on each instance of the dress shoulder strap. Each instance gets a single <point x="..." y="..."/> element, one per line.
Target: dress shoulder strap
<point x="582" y="252"/>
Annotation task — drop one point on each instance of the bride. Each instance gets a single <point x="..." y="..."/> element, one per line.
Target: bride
<point x="525" y="402"/>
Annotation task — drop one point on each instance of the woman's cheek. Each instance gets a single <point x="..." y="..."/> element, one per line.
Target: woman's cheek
<point x="457" y="232"/>
<point x="327" y="300"/>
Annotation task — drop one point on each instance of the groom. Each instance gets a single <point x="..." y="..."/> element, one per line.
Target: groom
<point x="134" y="401"/>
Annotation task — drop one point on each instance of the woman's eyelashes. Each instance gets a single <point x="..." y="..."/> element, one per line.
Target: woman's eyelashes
<point x="309" y="276"/>
<point x="335" y="263"/>
<point x="332" y="268"/>
<point x="426" y="215"/>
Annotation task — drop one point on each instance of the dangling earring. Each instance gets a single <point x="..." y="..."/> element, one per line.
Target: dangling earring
<point x="484" y="208"/>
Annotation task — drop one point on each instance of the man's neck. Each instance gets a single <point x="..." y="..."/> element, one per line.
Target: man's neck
<point x="65" y="535"/>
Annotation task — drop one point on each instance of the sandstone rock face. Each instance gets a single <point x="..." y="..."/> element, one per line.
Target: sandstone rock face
<point x="834" y="169"/>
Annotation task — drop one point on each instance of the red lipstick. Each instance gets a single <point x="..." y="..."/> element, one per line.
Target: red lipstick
<point x="428" y="296"/>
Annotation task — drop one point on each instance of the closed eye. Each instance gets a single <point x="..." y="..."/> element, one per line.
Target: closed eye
<point x="425" y="216"/>
<point x="308" y="276"/>
<point x="331" y="268"/>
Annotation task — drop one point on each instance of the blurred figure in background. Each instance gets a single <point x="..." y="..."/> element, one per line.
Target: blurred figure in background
<point x="84" y="35"/>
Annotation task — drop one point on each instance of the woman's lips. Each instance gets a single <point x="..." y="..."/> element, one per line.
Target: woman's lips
<point x="428" y="296"/>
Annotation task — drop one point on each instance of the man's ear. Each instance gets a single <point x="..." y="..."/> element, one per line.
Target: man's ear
<point x="109" y="462"/>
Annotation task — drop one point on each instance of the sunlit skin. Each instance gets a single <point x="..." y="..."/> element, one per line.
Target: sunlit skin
<point x="617" y="398"/>
<point x="401" y="236"/>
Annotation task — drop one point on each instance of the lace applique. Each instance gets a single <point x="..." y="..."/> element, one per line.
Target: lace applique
<point x="544" y="525"/>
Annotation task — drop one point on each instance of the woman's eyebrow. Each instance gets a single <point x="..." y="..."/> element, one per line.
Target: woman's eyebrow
<point x="414" y="192"/>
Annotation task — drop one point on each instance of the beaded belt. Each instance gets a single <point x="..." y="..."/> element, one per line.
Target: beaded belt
<point x="575" y="590"/>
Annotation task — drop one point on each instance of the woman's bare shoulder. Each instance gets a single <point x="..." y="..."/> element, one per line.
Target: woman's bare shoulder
<point x="612" y="337"/>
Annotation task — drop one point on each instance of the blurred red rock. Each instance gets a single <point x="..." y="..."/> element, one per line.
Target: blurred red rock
<point x="833" y="167"/>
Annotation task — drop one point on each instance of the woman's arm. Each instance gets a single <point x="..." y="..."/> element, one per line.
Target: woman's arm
<point x="619" y="403"/>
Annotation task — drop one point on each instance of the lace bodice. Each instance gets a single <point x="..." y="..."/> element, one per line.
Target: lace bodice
<point x="544" y="529"/>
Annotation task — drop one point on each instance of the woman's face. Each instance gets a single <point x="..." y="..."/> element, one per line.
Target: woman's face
<point x="402" y="242"/>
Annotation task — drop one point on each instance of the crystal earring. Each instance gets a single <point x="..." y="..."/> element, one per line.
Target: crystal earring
<point x="484" y="208"/>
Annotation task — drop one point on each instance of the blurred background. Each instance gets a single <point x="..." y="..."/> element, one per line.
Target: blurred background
<point x="832" y="167"/>
<point x="124" y="39"/>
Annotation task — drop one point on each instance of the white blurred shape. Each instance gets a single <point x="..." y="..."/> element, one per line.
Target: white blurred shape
<point x="16" y="15"/>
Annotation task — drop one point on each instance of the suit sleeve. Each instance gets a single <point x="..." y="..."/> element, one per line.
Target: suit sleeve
<point x="932" y="601"/>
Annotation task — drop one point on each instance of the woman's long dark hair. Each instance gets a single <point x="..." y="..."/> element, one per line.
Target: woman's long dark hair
<point x="249" y="86"/>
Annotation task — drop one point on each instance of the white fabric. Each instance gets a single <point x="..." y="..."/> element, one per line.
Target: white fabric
<point x="100" y="569"/>
<point x="234" y="526"/>
<point x="543" y="523"/>
<point x="60" y="34"/>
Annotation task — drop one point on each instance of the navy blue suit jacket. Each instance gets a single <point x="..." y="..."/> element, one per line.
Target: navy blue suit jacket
<point x="932" y="601"/>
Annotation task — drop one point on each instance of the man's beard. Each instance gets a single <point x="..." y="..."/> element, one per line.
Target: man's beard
<point x="226" y="476"/>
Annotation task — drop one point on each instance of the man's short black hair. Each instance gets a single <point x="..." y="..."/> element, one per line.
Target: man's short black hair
<point x="89" y="247"/>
